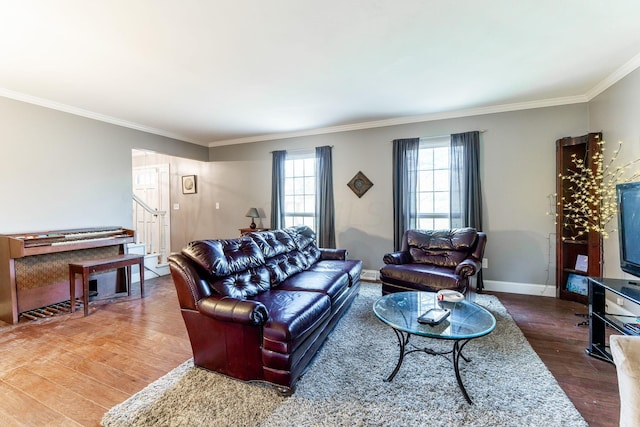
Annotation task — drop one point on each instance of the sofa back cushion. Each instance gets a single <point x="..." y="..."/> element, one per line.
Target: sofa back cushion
<point x="218" y="258"/>
<point x="287" y="251"/>
<point x="232" y="266"/>
<point x="302" y="235"/>
<point x="444" y="248"/>
<point x="244" y="284"/>
<point x="310" y="255"/>
<point x="284" y="265"/>
<point x="272" y="243"/>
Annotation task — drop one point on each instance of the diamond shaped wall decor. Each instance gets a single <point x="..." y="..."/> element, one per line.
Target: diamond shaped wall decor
<point x="360" y="184"/>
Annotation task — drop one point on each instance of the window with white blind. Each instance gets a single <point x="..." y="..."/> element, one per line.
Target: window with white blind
<point x="300" y="189"/>
<point x="433" y="196"/>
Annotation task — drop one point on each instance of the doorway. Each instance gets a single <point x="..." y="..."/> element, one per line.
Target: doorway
<point x="151" y="208"/>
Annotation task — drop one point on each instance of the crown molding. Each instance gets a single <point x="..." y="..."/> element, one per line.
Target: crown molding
<point x="609" y="81"/>
<point x="18" y="96"/>
<point x="614" y="77"/>
<point x="408" y="119"/>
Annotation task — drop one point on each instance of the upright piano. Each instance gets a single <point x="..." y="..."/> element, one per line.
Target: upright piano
<point x="34" y="267"/>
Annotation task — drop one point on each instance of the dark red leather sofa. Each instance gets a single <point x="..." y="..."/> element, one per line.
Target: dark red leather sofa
<point x="432" y="260"/>
<point x="259" y="307"/>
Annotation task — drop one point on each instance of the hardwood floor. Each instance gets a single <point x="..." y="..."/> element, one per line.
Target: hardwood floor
<point x="69" y="370"/>
<point x="549" y="325"/>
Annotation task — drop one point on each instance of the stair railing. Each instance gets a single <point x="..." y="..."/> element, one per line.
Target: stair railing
<point x="147" y="222"/>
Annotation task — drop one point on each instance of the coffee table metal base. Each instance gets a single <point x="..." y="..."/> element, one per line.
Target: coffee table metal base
<point x="456" y="354"/>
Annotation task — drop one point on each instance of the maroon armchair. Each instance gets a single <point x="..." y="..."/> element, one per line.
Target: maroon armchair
<point x="431" y="260"/>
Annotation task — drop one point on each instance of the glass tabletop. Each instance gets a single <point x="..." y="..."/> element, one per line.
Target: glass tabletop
<point x="401" y="310"/>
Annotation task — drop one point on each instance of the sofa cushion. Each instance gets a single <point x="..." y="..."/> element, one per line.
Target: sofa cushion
<point x="293" y="316"/>
<point x="244" y="284"/>
<point x="446" y="248"/>
<point x="224" y="257"/>
<point x="331" y="283"/>
<point x="352" y="267"/>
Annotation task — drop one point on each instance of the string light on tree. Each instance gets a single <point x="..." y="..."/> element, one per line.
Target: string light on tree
<point x="592" y="204"/>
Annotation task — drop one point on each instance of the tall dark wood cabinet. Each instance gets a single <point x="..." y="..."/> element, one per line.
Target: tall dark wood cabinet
<point x="577" y="257"/>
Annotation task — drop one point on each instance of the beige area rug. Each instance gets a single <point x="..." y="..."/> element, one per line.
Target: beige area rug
<point x="345" y="385"/>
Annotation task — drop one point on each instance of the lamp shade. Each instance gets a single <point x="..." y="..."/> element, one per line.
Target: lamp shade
<point x="253" y="213"/>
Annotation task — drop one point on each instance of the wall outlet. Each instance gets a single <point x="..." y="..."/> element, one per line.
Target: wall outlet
<point x="619" y="301"/>
<point x="176" y="206"/>
<point x="217" y="205"/>
<point x="485" y="262"/>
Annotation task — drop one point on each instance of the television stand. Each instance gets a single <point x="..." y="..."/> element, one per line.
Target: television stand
<point x="599" y="319"/>
<point x="584" y="322"/>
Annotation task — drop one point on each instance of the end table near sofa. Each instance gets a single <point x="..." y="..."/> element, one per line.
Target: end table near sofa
<point x="400" y="311"/>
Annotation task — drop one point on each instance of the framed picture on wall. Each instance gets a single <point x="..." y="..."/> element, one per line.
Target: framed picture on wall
<point x="189" y="184"/>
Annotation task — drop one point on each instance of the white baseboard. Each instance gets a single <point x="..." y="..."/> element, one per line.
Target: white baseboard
<point x="520" y="288"/>
<point x="370" y="275"/>
<point x="490" y="285"/>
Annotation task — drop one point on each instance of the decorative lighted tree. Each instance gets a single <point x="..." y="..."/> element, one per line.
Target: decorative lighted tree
<point x="591" y="203"/>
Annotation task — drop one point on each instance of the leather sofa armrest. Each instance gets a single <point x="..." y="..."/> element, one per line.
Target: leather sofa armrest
<point x="468" y="267"/>
<point x="401" y="257"/>
<point x="333" y="254"/>
<point x="227" y="309"/>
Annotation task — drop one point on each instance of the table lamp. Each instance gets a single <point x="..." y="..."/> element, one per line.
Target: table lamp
<point x="252" y="213"/>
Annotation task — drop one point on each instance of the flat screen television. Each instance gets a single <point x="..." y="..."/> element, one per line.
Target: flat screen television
<point x="628" y="197"/>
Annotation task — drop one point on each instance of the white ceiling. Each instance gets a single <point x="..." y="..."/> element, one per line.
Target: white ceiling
<point x="227" y="71"/>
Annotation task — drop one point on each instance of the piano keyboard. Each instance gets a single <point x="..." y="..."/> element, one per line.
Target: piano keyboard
<point x="76" y="241"/>
<point x="89" y="234"/>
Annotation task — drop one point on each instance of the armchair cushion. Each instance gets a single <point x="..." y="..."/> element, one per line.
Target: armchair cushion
<point x="397" y="258"/>
<point x="422" y="277"/>
<point x="446" y="248"/>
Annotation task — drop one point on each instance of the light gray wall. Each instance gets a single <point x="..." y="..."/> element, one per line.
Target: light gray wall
<point x="64" y="171"/>
<point x="616" y="112"/>
<point x="518" y="178"/>
<point x="61" y="171"/>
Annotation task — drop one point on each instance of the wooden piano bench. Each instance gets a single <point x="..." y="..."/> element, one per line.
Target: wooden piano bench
<point x="96" y="265"/>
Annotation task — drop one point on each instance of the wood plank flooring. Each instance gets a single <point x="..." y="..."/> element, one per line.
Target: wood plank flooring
<point x="69" y="370"/>
<point x="549" y="324"/>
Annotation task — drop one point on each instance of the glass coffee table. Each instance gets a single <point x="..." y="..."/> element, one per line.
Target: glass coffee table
<point x="467" y="321"/>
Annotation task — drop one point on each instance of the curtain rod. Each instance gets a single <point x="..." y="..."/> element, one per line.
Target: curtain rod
<point x="301" y="149"/>
<point x="444" y="136"/>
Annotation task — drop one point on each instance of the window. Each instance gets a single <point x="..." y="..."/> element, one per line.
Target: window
<point x="300" y="189"/>
<point x="433" y="206"/>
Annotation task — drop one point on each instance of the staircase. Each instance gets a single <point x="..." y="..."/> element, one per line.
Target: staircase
<point x="151" y="239"/>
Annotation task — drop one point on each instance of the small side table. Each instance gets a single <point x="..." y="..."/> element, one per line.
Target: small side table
<point x="95" y="265"/>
